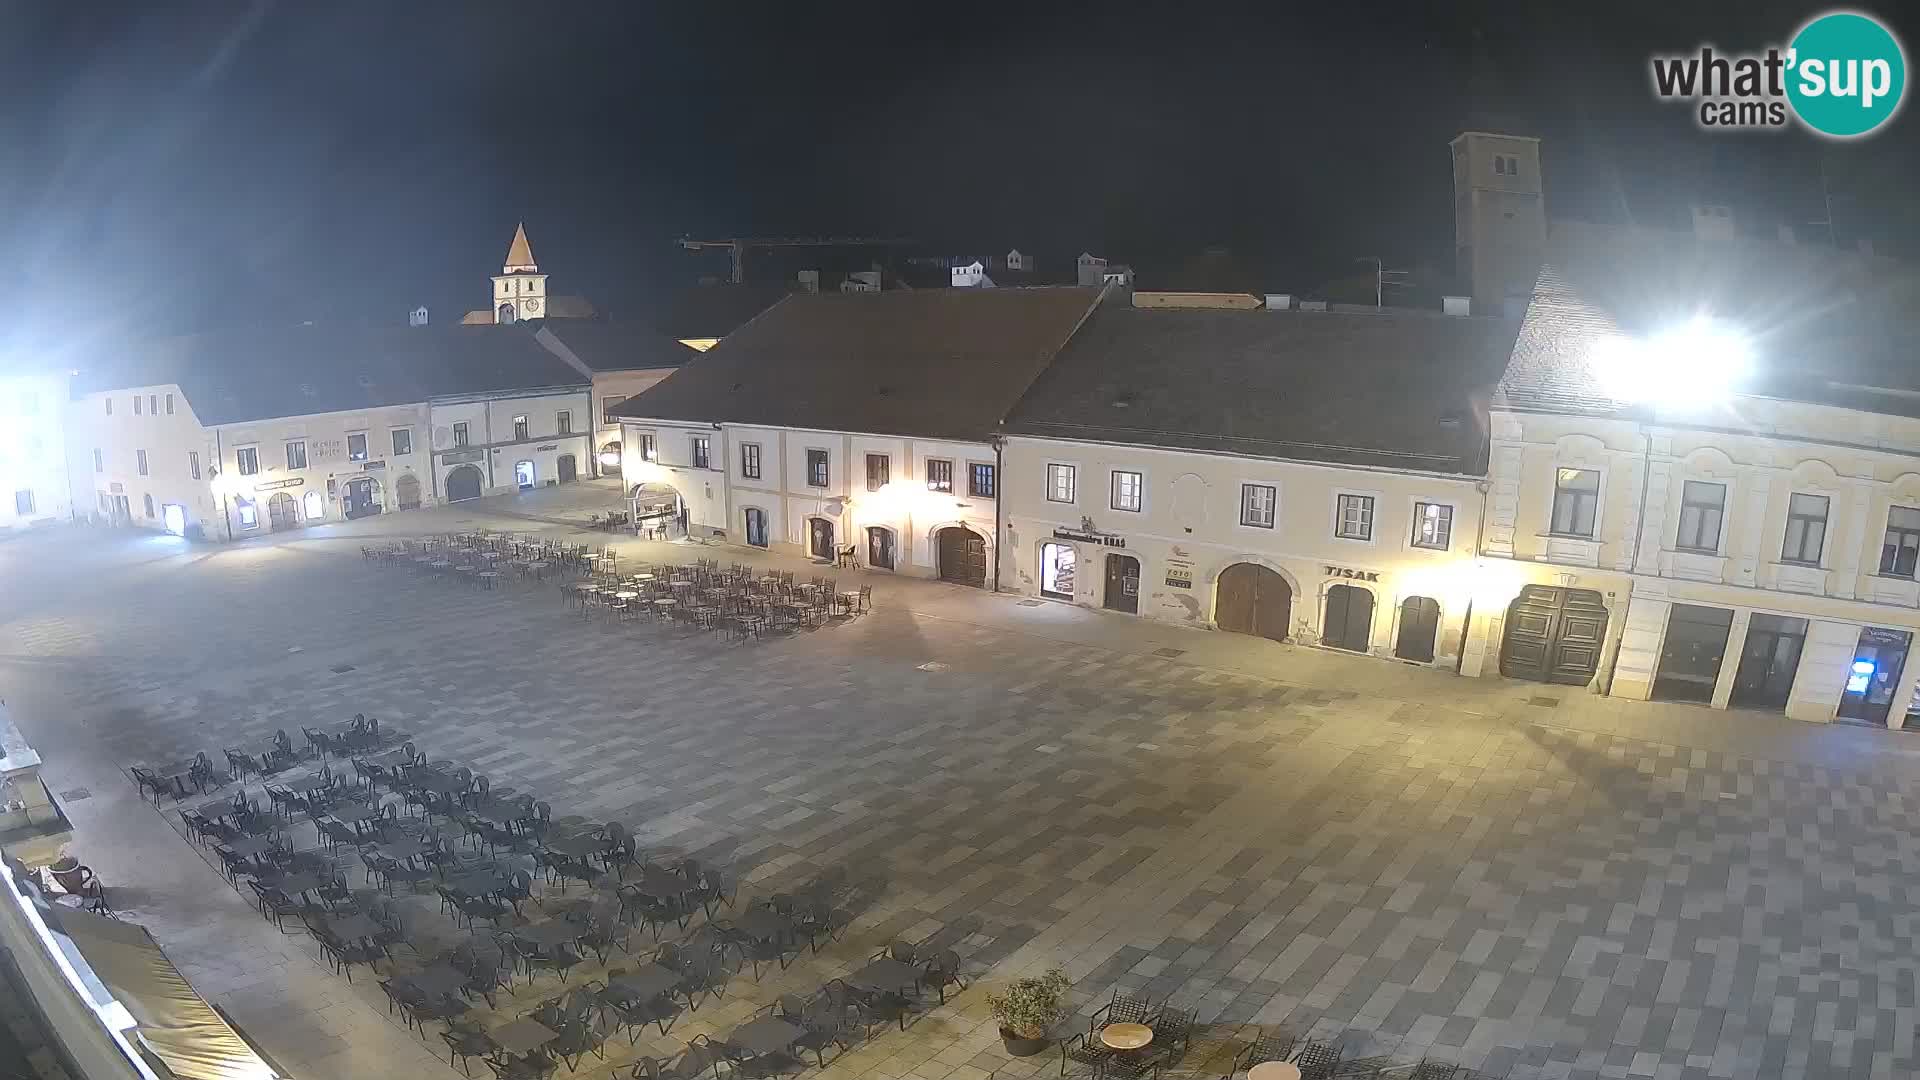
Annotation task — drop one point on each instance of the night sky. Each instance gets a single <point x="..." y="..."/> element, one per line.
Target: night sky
<point x="266" y="163"/>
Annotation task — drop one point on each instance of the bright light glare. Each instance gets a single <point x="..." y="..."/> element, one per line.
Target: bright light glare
<point x="1698" y="363"/>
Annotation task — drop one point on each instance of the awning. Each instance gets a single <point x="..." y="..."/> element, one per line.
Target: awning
<point x="174" y="1023"/>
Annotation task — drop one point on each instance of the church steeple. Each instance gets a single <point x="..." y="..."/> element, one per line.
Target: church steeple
<point x="520" y="289"/>
<point x="519" y="253"/>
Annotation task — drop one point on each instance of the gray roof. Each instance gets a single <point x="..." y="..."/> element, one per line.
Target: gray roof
<point x="1392" y="389"/>
<point x="937" y="363"/>
<point x="1827" y="327"/>
<point x="618" y="346"/>
<point x="237" y="376"/>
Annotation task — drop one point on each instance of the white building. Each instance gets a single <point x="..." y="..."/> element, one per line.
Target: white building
<point x="855" y="421"/>
<point x="1302" y="476"/>
<point x="622" y="359"/>
<point x="33" y="467"/>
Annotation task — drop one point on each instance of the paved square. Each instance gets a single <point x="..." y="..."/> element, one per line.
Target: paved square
<point x="1489" y="884"/>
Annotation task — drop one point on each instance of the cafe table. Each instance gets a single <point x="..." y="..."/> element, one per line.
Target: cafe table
<point x="763" y="924"/>
<point x="355" y="927"/>
<point x="305" y="784"/>
<point x="645" y="982"/>
<point x="523" y="1036"/>
<point x="300" y="884"/>
<point x="767" y="1035"/>
<point x="661" y="884"/>
<point x="440" y="980"/>
<point x="552" y="933"/>
<point x="886" y="973"/>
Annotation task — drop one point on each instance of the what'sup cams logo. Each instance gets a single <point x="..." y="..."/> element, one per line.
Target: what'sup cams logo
<point x="1842" y="76"/>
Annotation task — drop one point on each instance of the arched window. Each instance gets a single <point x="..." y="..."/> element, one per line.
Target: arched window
<point x="506" y="313"/>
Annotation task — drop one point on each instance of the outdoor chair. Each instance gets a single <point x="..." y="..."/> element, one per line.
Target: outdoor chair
<point x="634" y="1016"/>
<point x="146" y="782"/>
<point x="648" y="1068"/>
<point x="204" y="775"/>
<point x="1435" y="1070"/>
<point x="577" y="1040"/>
<point x="560" y="959"/>
<point x="466" y="1041"/>
<point x="822" y="1025"/>
<point x="1085" y="1049"/>
<point x="1172" y="1034"/>
<point x="1125" y="1007"/>
<point x="880" y="1006"/>
<point x="943" y="970"/>
<point x="1133" y="1066"/>
<point x="819" y="919"/>
<point x="1317" y="1061"/>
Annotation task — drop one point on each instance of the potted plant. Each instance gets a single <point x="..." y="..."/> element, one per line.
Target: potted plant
<point x="1028" y="1010"/>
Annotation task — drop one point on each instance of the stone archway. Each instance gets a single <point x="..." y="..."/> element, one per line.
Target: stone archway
<point x="406" y="492"/>
<point x="1253" y="599"/>
<point x="464" y="482"/>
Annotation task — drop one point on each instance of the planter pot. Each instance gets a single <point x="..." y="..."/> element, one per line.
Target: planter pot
<point x="1019" y="1047"/>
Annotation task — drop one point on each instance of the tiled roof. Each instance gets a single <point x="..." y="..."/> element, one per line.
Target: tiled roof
<point x="617" y="346"/>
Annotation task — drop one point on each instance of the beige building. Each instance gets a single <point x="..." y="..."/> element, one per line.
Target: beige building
<point x="1317" y="485"/>
<point x="33" y="466"/>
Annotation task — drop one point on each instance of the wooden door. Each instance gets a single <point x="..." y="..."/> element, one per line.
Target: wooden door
<point x="1252" y="599"/>
<point x="963" y="557"/>
<point x="880" y="548"/>
<point x="820" y="534"/>
<point x="1349" y="621"/>
<point x="1419" y="623"/>
<point x="756" y="527"/>
<point x="463" y="483"/>
<point x="281" y="512"/>
<point x="1123" y="584"/>
<point x="569" y="468"/>
<point x="1554" y="635"/>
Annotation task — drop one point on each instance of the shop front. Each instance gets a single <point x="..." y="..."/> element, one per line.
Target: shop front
<point x="1879" y="659"/>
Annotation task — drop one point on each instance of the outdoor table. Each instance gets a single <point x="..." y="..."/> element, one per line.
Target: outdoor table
<point x="355" y="813"/>
<point x="523" y="1036"/>
<point x="763" y="924"/>
<point x="642" y="577"/>
<point x="402" y="849"/>
<point x="217" y="809"/>
<point x="665" y="602"/>
<point x="389" y="760"/>
<point x="440" y="783"/>
<point x="479" y="883"/>
<point x="579" y="845"/>
<point x="661" y="884"/>
<point x="626" y="594"/>
<point x="300" y="884"/>
<point x="538" y="568"/>
<point x="645" y="982"/>
<point x="550" y="934"/>
<point x="304" y="784"/>
<point x="1274" y="1070"/>
<point x="885" y="973"/>
<point x="767" y="1035"/>
<point x="251" y="846"/>
<point x="176" y="772"/>
<point x="355" y="927"/>
<point x="501" y="812"/>
<point x="440" y="980"/>
<point x="440" y="564"/>
<point x="1126" y="1036"/>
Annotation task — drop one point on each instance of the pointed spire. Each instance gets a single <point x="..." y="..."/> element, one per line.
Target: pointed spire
<point x="519" y="253"/>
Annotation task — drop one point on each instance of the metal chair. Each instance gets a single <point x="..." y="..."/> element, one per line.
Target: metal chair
<point x="1125" y="1007"/>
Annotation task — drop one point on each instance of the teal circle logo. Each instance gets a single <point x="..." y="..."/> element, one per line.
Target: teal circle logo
<point x="1846" y="75"/>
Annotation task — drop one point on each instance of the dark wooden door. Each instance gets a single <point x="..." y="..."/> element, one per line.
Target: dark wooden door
<point x="569" y="469"/>
<point x="463" y="483"/>
<point x="1554" y="635"/>
<point x="1769" y="659"/>
<point x="406" y="491"/>
<point x="281" y="512"/>
<point x="1252" y="599"/>
<point x="880" y="548"/>
<point x="1419" y="623"/>
<point x="963" y="557"/>
<point x="756" y="526"/>
<point x="820" y="533"/>
<point x="1349" y="621"/>
<point x="1123" y="584"/>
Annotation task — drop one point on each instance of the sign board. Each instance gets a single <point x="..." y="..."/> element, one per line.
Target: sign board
<point x="289" y="482"/>
<point x="549" y="446"/>
<point x="1090" y="538"/>
<point x="371" y="466"/>
<point x="1178" y="578"/>
<point x="458" y="457"/>
<point x="1347" y="572"/>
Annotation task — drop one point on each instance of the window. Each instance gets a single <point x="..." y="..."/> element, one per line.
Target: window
<point x="193" y="463"/>
<point x="1806" y="529"/>
<point x="817" y="468"/>
<point x="23" y="501"/>
<point x="879" y="469"/>
<point x="1353" y="517"/>
<point x="169" y="404"/>
<point x="109" y="402"/>
<point x="520" y="428"/>
<point x="563" y="422"/>
<point x="402" y="441"/>
<point x="99" y="461"/>
<point x="749" y="460"/>
<point x="147" y="502"/>
<point x="1702" y="506"/>
<point x="1256" y="505"/>
<point x="702" y="447"/>
<point x="1060" y="483"/>
<point x="648" y="450"/>
<point x="140" y="461"/>
<point x="357" y="446"/>
<point x="607" y="407"/>
<point x="249" y="517"/>
<point x="297" y="455"/>
<point x="246" y="460"/>
<point x="1432" y="525"/>
<point x="1899" y="549"/>
<point x="460" y="434"/>
<point x="980" y="480"/>
<point x="136" y="404"/>
<point x="1576" y="494"/>
<point x="153" y="409"/>
<point x="939" y="474"/>
<point x="1126" y="491"/>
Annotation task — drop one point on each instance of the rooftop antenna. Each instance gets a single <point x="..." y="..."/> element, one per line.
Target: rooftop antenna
<point x="1383" y="277"/>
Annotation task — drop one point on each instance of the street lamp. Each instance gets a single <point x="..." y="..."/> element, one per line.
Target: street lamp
<point x="1696" y="363"/>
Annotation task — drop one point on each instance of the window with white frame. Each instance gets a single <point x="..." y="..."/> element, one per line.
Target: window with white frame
<point x="563" y="422"/>
<point x="1703" y="505"/>
<point x="402" y="441"/>
<point x="702" y="451"/>
<point x="939" y="474"/>
<point x="99" y="461"/>
<point x="1353" y="517"/>
<point x="879" y="471"/>
<point x="1900" y="549"/>
<point x="246" y="460"/>
<point x="649" y="448"/>
<point x="193" y="463"/>
<point x="140" y="461"/>
<point x="460" y="433"/>
<point x="750" y="460"/>
<point x="980" y="480"/>
<point x="1432" y="525"/>
<point x="357" y="446"/>
<point x="1126" y="490"/>
<point x="521" y="428"/>
<point x="817" y="470"/>
<point x="1576" y="499"/>
<point x="1060" y="483"/>
<point x="297" y="454"/>
<point x="1806" y="529"/>
<point x="1256" y="505"/>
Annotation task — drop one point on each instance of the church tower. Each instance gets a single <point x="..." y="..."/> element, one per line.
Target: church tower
<point x="1499" y="212"/>
<point x="520" y="289"/>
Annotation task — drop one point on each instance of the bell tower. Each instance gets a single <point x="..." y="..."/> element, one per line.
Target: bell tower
<point x="1499" y="218"/>
<point x="520" y="289"/>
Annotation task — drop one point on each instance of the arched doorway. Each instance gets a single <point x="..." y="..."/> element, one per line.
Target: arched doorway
<point x="820" y="538"/>
<point x="463" y="483"/>
<point x="361" y="497"/>
<point x="505" y="314"/>
<point x="1253" y="599"/>
<point x="880" y="548"/>
<point x="963" y="556"/>
<point x="1419" y="624"/>
<point x="567" y="469"/>
<point x="316" y="506"/>
<point x="656" y="508"/>
<point x="1123" y="584"/>
<point x="1349" y="621"/>
<point x="523" y="474"/>
<point x="406" y="491"/>
<point x="282" y="513"/>
<point x="756" y="527"/>
<point x="1554" y="635"/>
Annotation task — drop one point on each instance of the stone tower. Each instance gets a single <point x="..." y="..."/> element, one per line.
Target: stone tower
<point x="520" y="289"/>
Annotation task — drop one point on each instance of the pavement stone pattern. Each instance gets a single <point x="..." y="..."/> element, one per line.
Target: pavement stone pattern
<point x="1487" y="887"/>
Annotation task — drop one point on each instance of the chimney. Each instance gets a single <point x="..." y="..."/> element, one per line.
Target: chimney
<point x="1786" y="235"/>
<point x="417" y="317"/>
<point x="1456" y="305"/>
<point x="1279" y="301"/>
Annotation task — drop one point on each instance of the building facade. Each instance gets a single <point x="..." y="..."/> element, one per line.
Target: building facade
<point x="491" y="444"/>
<point x="290" y="472"/>
<point x="33" y="467"/>
<point x="138" y="456"/>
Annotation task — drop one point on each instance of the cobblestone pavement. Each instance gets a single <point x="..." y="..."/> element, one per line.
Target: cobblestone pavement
<point x="1450" y="872"/>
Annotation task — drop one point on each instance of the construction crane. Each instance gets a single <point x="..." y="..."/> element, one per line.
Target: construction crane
<point x="738" y="245"/>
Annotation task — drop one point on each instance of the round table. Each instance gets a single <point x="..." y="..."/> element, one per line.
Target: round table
<point x="643" y="577"/>
<point x="626" y="595"/>
<point x="1126" y="1036"/>
<point x="665" y="601"/>
<point x="1274" y="1070"/>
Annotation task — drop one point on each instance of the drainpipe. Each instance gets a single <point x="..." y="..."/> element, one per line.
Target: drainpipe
<point x="999" y="531"/>
<point x="1479" y="547"/>
<point x="220" y="462"/>
<point x="1633" y="560"/>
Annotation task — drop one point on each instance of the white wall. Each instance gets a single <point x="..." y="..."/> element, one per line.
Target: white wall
<point x="492" y="443"/>
<point x="611" y="388"/>
<point x="172" y="442"/>
<point x="332" y="463"/>
<point x="33" y="451"/>
<point x="704" y="490"/>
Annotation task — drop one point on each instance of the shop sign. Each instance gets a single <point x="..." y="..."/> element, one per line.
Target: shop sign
<point x="373" y="466"/>
<point x="1348" y="572"/>
<point x="1178" y="578"/>
<point x="1090" y="538"/>
<point x="549" y="446"/>
<point x="1874" y="635"/>
<point x="289" y="482"/>
<point x="459" y="457"/>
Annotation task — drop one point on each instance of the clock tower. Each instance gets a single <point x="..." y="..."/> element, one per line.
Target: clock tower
<point x="520" y="289"/>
